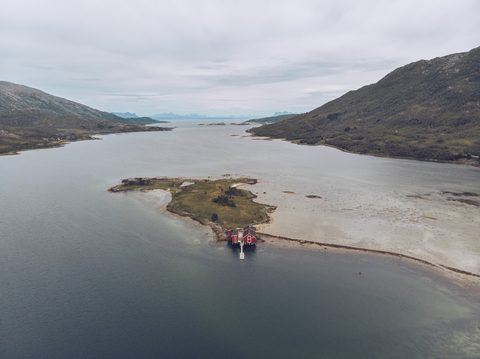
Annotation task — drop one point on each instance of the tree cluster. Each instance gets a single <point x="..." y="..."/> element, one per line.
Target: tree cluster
<point x="136" y="182"/>
<point x="233" y="191"/>
<point x="224" y="201"/>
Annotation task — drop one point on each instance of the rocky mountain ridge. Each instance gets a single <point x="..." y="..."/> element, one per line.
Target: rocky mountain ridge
<point x="429" y="109"/>
<point x="31" y="119"/>
<point x="20" y="97"/>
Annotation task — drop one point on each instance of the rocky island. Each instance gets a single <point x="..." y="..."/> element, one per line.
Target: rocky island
<point x="217" y="203"/>
<point x="220" y="203"/>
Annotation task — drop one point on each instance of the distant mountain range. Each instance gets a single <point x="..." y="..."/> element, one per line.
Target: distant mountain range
<point x="174" y="116"/>
<point x="194" y="116"/>
<point x="424" y="110"/>
<point x="125" y="114"/>
<point x="30" y="118"/>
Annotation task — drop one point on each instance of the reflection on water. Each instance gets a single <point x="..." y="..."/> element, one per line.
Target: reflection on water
<point x="86" y="273"/>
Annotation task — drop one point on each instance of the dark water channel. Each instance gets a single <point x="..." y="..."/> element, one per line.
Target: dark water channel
<point x="89" y="274"/>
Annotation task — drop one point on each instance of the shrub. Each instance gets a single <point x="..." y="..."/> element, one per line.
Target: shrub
<point x="224" y="201"/>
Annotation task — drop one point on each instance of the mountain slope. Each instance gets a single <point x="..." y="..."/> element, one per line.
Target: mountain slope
<point x="133" y="118"/>
<point x="32" y="129"/>
<point x="272" y="119"/>
<point x="427" y="110"/>
<point x="30" y="119"/>
<point x="19" y="97"/>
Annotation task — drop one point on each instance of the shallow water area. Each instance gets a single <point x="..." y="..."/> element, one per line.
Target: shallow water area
<point x="87" y="273"/>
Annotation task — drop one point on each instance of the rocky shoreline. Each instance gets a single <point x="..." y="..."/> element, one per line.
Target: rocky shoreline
<point x="274" y="239"/>
<point x="218" y="229"/>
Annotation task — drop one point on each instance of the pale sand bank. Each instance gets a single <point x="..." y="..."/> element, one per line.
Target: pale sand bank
<point x="432" y="227"/>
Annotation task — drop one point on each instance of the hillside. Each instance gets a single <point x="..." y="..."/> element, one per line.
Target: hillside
<point x="133" y="118"/>
<point x="144" y="120"/>
<point x="32" y="129"/>
<point x="271" y="119"/>
<point x="424" y="110"/>
<point x="19" y="97"/>
<point x="30" y="119"/>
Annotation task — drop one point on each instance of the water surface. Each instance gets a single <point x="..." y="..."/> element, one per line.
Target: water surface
<point x="89" y="274"/>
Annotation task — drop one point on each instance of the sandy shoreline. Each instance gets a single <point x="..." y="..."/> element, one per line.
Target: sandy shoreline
<point x="441" y="229"/>
<point x="273" y="240"/>
<point x="434" y="229"/>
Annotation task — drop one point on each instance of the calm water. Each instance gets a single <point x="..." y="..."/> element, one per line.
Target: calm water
<point x="88" y="274"/>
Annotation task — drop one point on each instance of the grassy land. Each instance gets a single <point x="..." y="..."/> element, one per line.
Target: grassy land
<point x="441" y="144"/>
<point x="272" y="119"/>
<point x="197" y="200"/>
<point x="22" y="130"/>
<point x="427" y="110"/>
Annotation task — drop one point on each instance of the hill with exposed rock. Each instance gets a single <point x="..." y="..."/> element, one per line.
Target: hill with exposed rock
<point x="424" y="110"/>
<point x="30" y="119"/>
<point x="19" y="97"/>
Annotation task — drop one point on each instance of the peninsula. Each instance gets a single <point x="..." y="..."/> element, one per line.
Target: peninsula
<point x="217" y="203"/>
<point x="220" y="203"/>
<point x="32" y="119"/>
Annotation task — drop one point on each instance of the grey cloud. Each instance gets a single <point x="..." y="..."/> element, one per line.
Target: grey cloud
<point x="210" y="67"/>
<point x="183" y="53"/>
<point x="290" y="71"/>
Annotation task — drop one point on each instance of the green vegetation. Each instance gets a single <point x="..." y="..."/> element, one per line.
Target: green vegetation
<point x="199" y="199"/>
<point x="32" y="129"/>
<point x="424" y="110"/>
<point x="224" y="201"/>
<point x="271" y="119"/>
<point x="31" y="119"/>
<point x="140" y="120"/>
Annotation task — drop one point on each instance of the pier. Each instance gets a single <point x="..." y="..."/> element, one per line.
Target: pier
<point x="249" y="238"/>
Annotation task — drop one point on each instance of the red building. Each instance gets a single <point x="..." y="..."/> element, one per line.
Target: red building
<point x="250" y="235"/>
<point x="234" y="237"/>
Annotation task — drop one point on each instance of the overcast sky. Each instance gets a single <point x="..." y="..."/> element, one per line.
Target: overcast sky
<point x="222" y="57"/>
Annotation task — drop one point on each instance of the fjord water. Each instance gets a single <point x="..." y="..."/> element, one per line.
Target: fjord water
<point x="90" y="274"/>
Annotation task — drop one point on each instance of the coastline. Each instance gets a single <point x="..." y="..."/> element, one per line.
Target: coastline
<point x="462" y="161"/>
<point x="196" y="201"/>
<point x="301" y="242"/>
<point x="61" y="140"/>
<point x="268" y="237"/>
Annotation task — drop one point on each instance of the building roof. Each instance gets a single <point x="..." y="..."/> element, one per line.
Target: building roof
<point x="249" y="231"/>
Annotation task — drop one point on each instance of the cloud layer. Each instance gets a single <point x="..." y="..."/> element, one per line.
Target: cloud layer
<point x="222" y="57"/>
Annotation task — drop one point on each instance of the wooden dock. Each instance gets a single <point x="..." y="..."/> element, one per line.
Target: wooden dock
<point x="242" y="254"/>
